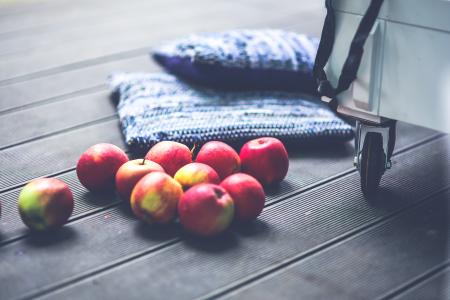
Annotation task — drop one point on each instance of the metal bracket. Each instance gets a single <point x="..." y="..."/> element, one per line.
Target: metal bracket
<point x="362" y="130"/>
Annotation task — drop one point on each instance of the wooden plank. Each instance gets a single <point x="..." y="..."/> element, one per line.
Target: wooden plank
<point x="68" y="84"/>
<point x="94" y="23"/>
<point x="53" y="51"/>
<point x="436" y="287"/>
<point x="20" y="8"/>
<point x="370" y="264"/>
<point x="53" y="154"/>
<point x="124" y="253"/>
<point x="54" y="117"/>
<point x="32" y="17"/>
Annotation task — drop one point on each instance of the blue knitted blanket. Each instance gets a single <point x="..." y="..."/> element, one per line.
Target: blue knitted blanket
<point x="243" y="59"/>
<point x="156" y="107"/>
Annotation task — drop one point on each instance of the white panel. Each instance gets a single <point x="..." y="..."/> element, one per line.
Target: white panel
<point x="426" y="13"/>
<point x="416" y="76"/>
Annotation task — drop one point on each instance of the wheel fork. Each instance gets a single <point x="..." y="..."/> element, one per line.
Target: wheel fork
<point x="362" y="129"/>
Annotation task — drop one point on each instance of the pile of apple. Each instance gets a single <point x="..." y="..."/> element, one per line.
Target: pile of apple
<point x="206" y="194"/>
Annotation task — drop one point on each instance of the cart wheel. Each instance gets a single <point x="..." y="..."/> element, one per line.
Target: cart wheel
<point x="372" y="163"/>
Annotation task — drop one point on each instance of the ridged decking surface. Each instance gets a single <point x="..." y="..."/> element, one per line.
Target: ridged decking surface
<point x="318" y="238"/>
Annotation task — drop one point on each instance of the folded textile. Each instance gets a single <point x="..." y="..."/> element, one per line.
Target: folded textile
<point x="243" y="59"/>
<point x="156" y="107"/>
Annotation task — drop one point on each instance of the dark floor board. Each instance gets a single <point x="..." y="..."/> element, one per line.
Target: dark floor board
<point x="25" y="9"/>
<point x="101" y="28"/>
<point x="436" y="287"/>
<point x="68" y="84"/>
<point x="192" y="267"/>
<point x="89" y="41"/>
<point x="369" y="264"/>
<point x="84" y="43"/>
<point x="58" y="116"/>
<point x="45" y="16"/>
<point x="53" y="154"/>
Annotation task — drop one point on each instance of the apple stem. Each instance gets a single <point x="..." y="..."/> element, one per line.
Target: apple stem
<point x="193" y="148"/>
<point x="143" y="161"/>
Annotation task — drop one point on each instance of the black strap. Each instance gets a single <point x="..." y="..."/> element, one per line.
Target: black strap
<point x="351" y="65"/>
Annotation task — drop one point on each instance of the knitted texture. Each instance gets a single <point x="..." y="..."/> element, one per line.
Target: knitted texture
<point x="157" y="107"/>
<point x="243" y="59"/>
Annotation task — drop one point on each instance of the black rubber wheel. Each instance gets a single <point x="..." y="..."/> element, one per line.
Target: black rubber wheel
<point x="372" y="164"/>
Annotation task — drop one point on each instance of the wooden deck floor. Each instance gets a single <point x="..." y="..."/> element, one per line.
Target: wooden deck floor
<point x="318" y="238"/>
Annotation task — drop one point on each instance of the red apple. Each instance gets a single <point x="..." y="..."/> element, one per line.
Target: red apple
<point x="220" y="157"/>
<point x="196" y="173"/>
<point x="206" y="209"/>
<point x="155" y="197"/>
<point x="97" y="166"/>
<point x="170" y="155"/>
<point x="248" y="196"/>
<point x="266" y="159"/>
<point x="131" y="172"/>
<point x="45" y="203"/>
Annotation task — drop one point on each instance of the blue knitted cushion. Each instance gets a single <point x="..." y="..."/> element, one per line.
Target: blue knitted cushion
<point x="156" y="107"/>
<point x="243" y="59"/>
